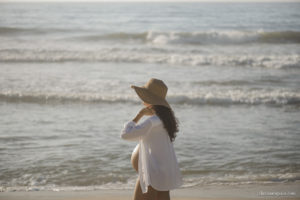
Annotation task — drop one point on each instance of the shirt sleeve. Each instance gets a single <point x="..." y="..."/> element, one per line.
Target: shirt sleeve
<point x="133" y="131"/>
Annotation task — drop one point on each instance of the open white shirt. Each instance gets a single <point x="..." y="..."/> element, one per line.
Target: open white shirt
<point x="157" y="164"/>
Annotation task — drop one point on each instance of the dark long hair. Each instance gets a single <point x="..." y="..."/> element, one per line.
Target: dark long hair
<point x="168" y="118"/>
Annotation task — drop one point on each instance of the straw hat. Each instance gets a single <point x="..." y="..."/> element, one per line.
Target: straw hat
<point x="154" y="92"/>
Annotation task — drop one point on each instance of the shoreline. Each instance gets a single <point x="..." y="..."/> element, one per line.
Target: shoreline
<point x="288" y="191"/>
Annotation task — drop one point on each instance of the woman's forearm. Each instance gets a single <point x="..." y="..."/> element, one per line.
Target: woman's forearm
<point x="138" y="117"/>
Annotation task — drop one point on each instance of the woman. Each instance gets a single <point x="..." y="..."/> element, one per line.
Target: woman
<point x="154" y="158"/>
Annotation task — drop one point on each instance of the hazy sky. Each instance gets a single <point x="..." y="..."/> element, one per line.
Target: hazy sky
<point x="149" y="0"/>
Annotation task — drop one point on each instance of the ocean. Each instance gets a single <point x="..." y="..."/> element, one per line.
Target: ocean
<point x="232" y="69"/>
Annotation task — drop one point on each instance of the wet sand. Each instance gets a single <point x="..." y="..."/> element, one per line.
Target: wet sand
<point x="289" y="191"/>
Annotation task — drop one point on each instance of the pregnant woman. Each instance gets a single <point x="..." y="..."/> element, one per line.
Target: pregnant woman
<point x="154" y="157"/>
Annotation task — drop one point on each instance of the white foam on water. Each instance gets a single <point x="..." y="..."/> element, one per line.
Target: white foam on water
<point x="136" y="56"/>
<point x="216" y="97"/>
<point x="208" y="180"/>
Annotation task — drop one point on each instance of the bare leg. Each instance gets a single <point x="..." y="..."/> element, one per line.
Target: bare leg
<point x="163" y="195"/>
<point x="152" y="194"/>
<point x="139" y="195"/>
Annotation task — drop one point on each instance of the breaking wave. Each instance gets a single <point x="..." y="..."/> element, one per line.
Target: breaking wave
<point x="172" y="37"/>
<point x="154" y="56"/>
<point x="227" y="97"/>
<point x="200" y="38"/>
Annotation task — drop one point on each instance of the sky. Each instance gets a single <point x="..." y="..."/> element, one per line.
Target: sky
<point x="149" y="0"/>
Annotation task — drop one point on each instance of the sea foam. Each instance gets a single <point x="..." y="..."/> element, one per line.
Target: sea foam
<point x="155" y="56"/>
<point x="219" y="97"/>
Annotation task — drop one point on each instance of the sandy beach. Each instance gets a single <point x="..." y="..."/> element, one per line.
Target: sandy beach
<point x="288" y="191"/>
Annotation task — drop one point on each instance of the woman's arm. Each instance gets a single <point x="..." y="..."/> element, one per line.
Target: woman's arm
<point x="132" y="131"/>
<point x="138" y="117"/>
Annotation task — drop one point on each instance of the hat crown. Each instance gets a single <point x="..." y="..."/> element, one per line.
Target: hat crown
<point x="157" y="87"/>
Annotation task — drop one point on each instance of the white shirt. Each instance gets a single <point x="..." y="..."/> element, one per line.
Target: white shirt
<point x="157" y="164"/>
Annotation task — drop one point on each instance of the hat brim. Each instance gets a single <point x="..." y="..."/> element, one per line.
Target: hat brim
<point x="148" y="97"/>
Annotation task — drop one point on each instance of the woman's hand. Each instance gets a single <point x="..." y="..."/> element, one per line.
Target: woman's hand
<point x="146" y="111"/>
<point x="142" y="112"/>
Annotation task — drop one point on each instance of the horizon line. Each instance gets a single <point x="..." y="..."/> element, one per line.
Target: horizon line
<point x="149" y="1"/>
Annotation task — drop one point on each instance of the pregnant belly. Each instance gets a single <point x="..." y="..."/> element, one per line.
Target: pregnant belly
<point x="135" y="158"/>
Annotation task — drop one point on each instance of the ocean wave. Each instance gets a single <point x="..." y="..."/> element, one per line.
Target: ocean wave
<point x="243" y="179"/>
<point x="12" y="31"/>
<point x="29" y="182"/>
<point x="222" y="37"/>
<point x="265" y="80"/>
<point x="152" y="56"/>
<point x="199" y="38"/>
<point x="16" y="30"/>
<point x="226" y="97"/>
